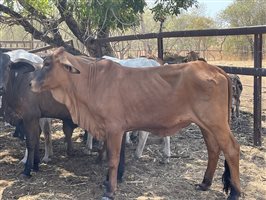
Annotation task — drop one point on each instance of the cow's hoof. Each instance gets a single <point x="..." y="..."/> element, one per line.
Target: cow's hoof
<point x="233" y="198"/>
<point x="105" y="184"/>
<point x="36" y="168"/>
<point x="234" y="195"/>
<point x="99" y="160"/>
<point x="202" y="187"/>
<point x="87" y="152"/>
<point x="164" y="161"/>
<point x="120" y="180"/>
<point x="70" y="154"/>
<point x="137" y="156"/>
<point x="108" y="196"/>
<point x="23" y="176"/>
<point x="46" y="159"/>
<point x="23" y="161"/>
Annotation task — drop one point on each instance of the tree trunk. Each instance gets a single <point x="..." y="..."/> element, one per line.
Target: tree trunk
<point x="98" y="50"/>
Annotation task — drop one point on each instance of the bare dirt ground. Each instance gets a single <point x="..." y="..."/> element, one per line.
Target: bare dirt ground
<point x="79" y="177"/>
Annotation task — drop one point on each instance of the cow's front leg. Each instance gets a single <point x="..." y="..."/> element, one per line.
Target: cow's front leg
<point x="36" y="160"/>
<point x="29" y="162"/>
<point x="32" y="130"/>
<point x="68" y="128"/>
<point x="113" y="151"/>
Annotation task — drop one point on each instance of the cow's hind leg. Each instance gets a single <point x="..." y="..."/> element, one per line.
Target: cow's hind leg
<point x="45" y="124"/>
<point x="166" y="150"/>
<point x="231" y="150"/>
<point x="213" y="156"/>
<point x="89" y="141"/>
<point x="143" y="136"/>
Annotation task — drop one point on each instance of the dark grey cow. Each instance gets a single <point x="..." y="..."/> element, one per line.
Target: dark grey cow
<point x="237" y="89"/>
<point x="21" y="105"/>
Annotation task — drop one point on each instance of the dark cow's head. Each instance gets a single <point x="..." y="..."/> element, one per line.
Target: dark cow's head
<point x="4" y="71"/>
<point x="6" y="65"/>
<point x="56" y="69"/>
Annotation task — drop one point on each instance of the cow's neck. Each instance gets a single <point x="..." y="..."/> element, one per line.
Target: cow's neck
<point x="80" y="111"/>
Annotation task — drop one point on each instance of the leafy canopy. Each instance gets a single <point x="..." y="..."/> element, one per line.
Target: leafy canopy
<point x="163" y="8"/>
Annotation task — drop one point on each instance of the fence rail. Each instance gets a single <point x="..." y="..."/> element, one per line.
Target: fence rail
<point x="27" y="45"/>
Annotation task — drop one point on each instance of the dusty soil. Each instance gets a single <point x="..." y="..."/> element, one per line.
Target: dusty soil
<point x="79" y="177"/>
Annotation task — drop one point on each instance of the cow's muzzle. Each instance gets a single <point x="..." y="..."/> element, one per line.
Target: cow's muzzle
<point x="34" y="86"/>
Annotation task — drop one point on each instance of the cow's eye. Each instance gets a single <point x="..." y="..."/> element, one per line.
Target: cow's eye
<point x="46" y="64"/>
<point x="68" y="68"/>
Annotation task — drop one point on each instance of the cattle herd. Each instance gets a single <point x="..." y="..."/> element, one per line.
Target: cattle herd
<point x="113" y="99"/>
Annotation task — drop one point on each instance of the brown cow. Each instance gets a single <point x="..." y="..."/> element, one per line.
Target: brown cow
<point x="108" y="99"/>
<point x="236" y="84"/>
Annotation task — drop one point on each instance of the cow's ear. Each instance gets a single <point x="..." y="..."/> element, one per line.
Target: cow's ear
<point x="22" y="67"/>
<point x="62" y="58"/>
<point x="59" y="51"/>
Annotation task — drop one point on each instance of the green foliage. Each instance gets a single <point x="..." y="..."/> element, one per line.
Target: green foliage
<point x="45" y="7"/>
<point x="245" y="13"/>
<point x="107" y="13"/>
<point x="164" y="8"/>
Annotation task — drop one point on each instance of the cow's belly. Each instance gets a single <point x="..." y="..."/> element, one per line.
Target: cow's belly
<point x="165" y="126"/>
<point x="170" y="131"/>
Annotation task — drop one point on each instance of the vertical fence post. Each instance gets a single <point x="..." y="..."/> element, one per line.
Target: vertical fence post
<point x="257" y="90"/>
<point x="160" y="47"/>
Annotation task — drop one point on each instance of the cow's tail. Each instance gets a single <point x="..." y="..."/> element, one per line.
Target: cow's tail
<point x="226" y="175"/>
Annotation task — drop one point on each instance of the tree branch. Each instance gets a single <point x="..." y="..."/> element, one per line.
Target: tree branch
<point x="71" y="22"/>
<point x="50" y="25"/>
<point x="56" y="41"/>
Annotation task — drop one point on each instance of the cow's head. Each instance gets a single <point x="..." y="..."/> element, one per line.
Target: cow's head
<point x="6" y="66"/>
<point x="4" y="71"/>
<point x="56" y="70"/>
